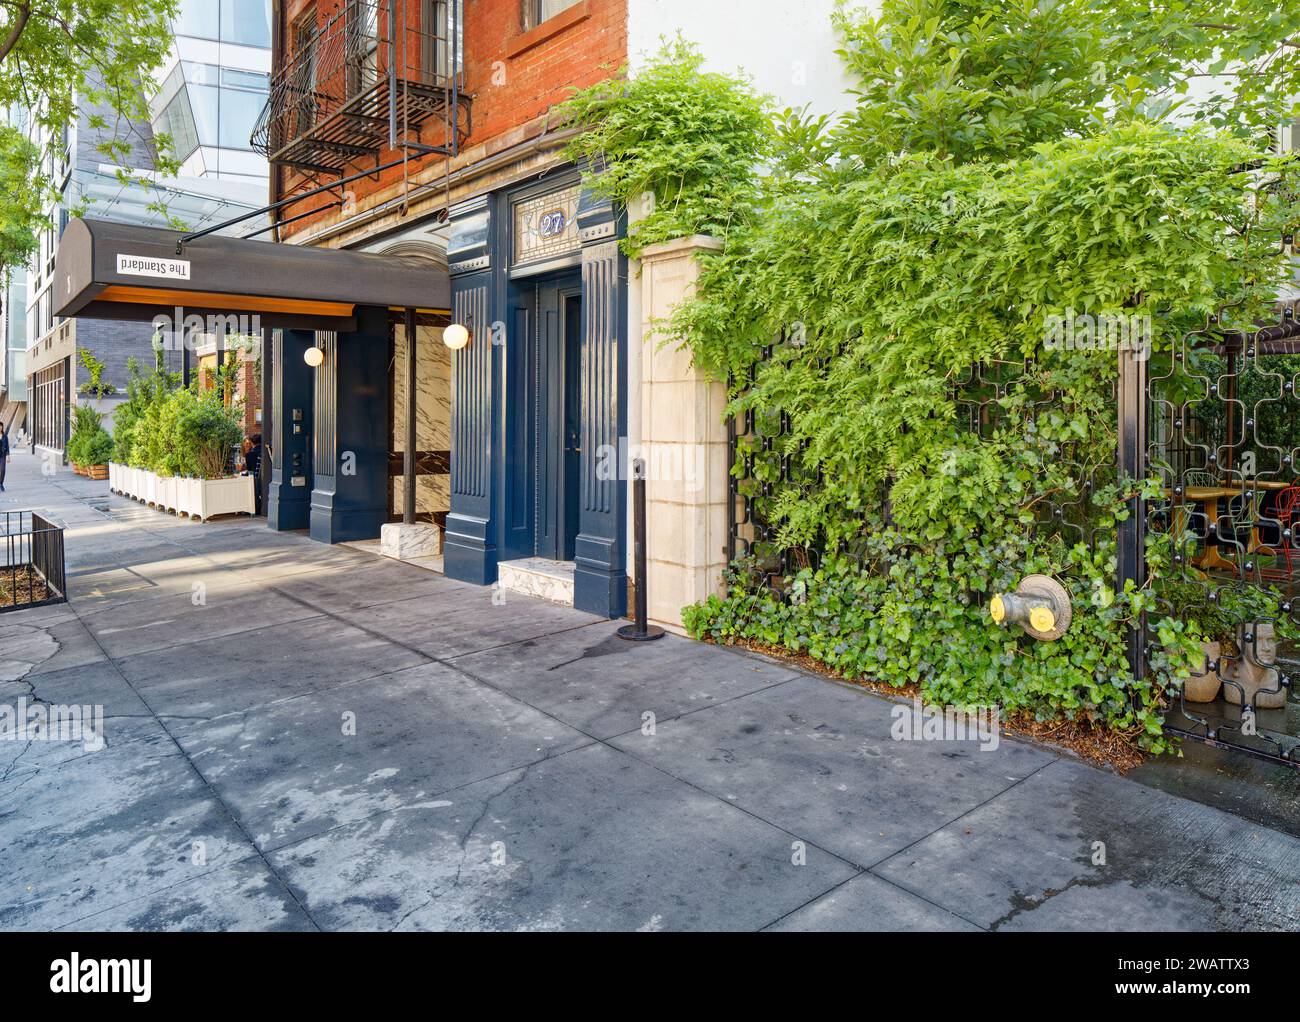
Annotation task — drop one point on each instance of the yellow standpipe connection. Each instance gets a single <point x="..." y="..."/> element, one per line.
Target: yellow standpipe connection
<point x="1040" y="605"/>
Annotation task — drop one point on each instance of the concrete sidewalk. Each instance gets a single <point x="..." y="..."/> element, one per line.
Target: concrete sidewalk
<point x="305" y="737"/>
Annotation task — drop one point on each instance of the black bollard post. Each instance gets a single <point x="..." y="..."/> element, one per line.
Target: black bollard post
<point x="642" y="631"/>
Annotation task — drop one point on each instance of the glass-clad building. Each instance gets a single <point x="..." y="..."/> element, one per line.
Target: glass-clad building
<point x="214" y="87"/>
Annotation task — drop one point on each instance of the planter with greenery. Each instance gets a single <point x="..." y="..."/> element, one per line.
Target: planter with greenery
<point x="172" y="447"/>
<point x="1219" y="624"/>
<point x="90" y="447"/>
<point x="95" y="384"/>
<point x="890" y="280"/>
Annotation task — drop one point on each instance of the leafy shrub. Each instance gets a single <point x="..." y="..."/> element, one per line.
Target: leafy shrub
<point x="85" y="424"/>
<point x="96" y="385"/>
<point x="682" y="140"/>
<point x="74" y="450"/>
<point x="143" y="392"/>
<point x="173" y="430"/>
<point x="201" y="431"/>
<point x="99" y="449"/>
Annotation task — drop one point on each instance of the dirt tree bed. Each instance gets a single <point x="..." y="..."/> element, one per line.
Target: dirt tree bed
<point x="22" y="586"/>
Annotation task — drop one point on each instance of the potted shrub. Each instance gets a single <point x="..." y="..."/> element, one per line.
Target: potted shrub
<point x="1239" y="631"/>
<point x="96" y="453"/>
<point x="204" y="431"/>
<point x="86" y="425"/>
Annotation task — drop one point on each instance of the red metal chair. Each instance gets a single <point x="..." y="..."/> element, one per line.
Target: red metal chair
<point x="1285" y="510"/>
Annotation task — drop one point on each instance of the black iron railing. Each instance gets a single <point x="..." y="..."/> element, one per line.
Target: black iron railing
<point x="33" y="571"/>
<point x="378" y="75"/>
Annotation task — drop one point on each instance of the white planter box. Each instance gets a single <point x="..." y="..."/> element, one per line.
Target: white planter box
<point x="187" y="497"/>
<point x="165" y="493"/>
<point x="233" y="495"/>
<point x="198" y="498"/>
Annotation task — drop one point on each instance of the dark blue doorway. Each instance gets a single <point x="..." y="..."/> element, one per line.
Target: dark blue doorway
<point x="557" y="425"/>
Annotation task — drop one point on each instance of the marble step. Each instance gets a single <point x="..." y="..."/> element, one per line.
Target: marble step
<point x="536" y="576"/>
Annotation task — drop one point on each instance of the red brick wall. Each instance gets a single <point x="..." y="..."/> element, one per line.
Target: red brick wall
<point x="248" y="390"/>
<point x="513" y="76"/>
<point x="513" y="81"/>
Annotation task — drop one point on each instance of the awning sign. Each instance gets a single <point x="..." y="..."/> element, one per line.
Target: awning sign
<point x="151" y="266"/>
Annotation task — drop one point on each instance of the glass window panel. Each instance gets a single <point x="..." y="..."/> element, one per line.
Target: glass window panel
<point x="202" y="74"/>
<point x="550" y="8"/>
<point x="537" y="11"/>
<point x="205" y="100"/>
<point x="198" y="18"/>
<point x="239" y="112"/>
<point x="177" y="120"/>
<point x="245" y="79"/>
<point x="437" y="31"/>
<point x="247" y="22"/>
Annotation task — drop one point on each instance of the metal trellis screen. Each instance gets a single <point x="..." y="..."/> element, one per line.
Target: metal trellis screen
<point x="1223" y="438"/>
<point x="1217" y="422"/>
<point x="763" y="457"/>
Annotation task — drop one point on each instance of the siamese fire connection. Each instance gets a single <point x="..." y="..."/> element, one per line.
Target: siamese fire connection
<point x="1040" y="605"/>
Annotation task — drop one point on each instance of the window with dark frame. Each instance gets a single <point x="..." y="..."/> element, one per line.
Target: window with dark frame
<point x="361" y="45"/>
<point x="537" y="11"/>
<point x="304" y="77"/>
<point x="440" y="19"/>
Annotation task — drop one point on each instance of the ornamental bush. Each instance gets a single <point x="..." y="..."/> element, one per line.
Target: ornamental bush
<point x="174" y="430"/>
<point x="143" y="391"/>
<point x="99" y="448"/>
<point x="202" y="430"/>
<point x="85" y="428"/>
<point x="682" y="141"/>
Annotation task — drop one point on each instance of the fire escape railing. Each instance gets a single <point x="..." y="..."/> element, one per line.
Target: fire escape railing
<point x="378" y="75"/>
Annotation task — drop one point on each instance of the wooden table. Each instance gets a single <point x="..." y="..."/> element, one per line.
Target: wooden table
<point x="1273" y="485"/>
<point x="1208" y="497"/>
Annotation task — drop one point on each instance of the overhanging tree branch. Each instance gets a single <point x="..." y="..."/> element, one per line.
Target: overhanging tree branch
<point x="16" y="31"/>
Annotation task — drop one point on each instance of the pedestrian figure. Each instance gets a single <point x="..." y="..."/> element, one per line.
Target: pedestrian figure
<point x="253" y="465"/>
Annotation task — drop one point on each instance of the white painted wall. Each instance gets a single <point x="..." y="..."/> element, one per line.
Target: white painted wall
<point x="787" y="49"/>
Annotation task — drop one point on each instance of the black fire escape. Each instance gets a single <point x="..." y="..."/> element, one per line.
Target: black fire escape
<point x="380" y="75"/>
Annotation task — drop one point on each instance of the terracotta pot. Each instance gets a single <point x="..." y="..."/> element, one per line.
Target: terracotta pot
<point x="1254" y="680"/>
<point x="1204" y="688"/>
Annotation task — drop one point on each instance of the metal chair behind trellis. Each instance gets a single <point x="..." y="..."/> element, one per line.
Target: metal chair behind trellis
<point x="1284" y="511"/>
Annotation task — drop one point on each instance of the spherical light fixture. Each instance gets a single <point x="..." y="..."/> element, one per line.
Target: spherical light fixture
<point x="455" y="337"/>
<point x="313" y="357"/>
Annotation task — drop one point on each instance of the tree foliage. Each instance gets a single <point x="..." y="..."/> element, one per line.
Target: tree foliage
<point x="61" y="60"/>
<point x="174" y="430"/>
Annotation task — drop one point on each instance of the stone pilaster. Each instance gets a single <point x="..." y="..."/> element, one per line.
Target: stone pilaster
<point x="684" y="442"/>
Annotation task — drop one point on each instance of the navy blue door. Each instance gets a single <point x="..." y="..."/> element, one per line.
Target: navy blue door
<point x="556" y="440"/>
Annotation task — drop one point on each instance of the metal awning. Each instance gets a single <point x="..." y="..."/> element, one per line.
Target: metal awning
<point x="108" y="270"/>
